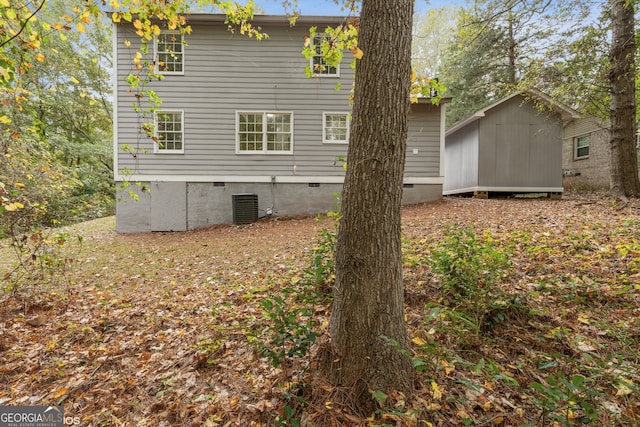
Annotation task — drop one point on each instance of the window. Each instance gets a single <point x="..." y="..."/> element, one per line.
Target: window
<point x="169" y="132"/>
<point x="581" y="147"/>
<point x="335" y="128"/>
<point x="264" y="132"/>
<point x="169" y="53"/>
<point x="319" y="66"/>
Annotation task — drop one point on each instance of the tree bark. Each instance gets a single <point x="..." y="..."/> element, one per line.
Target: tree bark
<point x="369" y="294"/>
<point x="624" y="162"/>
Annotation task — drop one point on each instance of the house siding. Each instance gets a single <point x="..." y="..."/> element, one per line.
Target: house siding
<point x="591" y="173"/>
<point x="226" y="73"/>
<point x="244" y="75"/>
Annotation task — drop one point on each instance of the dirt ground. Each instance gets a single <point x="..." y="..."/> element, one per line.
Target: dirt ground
<point x="164" y="329"/>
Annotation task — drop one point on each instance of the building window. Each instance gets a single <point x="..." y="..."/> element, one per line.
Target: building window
<point x="335" y="128"/>
<point x="319" y="66"/>
<point x="169" y="135"/>
<point x="581" y="147"/>
<point x="169" y="53"/>
<point x="264" y="132"/>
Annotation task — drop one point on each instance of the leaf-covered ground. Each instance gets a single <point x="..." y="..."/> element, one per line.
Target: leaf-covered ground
<point x="167" y="329"/>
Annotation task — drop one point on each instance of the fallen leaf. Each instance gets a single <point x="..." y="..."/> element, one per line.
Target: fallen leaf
<point x="38" y="320"/>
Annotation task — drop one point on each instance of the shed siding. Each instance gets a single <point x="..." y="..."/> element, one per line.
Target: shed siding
<point x="461" y="159"/>
<point x="520" y="147"/>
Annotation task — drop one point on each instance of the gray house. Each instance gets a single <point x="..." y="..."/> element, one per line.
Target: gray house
<point x="242" y="132"/>
<point x="586" y="154"/>
<point x="511" y="146"/>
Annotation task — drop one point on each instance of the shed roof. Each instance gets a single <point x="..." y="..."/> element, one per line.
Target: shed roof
<point x="567" y="113"/>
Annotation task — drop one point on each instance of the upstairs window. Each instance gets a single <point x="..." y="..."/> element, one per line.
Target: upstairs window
<point x="264" y="132"/>
<point x="169" y="135"/>
<point x="319" y="66"/>
<point x="581" y="147"/>
<point x="169" y="53"/>
<point x="335" y="128"/>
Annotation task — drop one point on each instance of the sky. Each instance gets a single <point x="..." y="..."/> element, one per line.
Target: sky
<point x="329" y="8"/>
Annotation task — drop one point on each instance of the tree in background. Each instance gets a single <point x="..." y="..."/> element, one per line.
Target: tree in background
<point x="56" y="114"/>
<point x="495" y="45"/>
<point x="624" y="161"/>
<point x="432" y="34"/>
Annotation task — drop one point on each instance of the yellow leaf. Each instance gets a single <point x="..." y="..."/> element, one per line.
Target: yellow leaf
<point x="60" y="392"/>
<point x="433" y="407"/>
<point x="327" y="405"/>
<point x="11" y="207"/>
<point x="357" y="52"/>
<point x="344" y="166"/>
<point x="20" y="185"/>
<point x="413" y="75"/>
<point x="437" y="394"/>
<point x="462" y="414"/>
<point x="137" y="24"/>
<point x="40" y="57"/>
<point x="4" y="3"/>
<point x="75" y="81"/>
<point x="19" y="205"/>
<point x="81" y="28"/>
<point x="115" y="16"/>
<point x="418" y="341"/>
<point x="86" y="19"/>
<point x="5" y="120"/>
<point x="127" y="43"/>
<point x="624" y="386"/>
<point x="63" y="36"/>
<point x="584" y="319"/>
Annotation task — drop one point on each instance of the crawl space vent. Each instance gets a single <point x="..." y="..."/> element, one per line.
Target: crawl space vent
<point x="245" y="208"/>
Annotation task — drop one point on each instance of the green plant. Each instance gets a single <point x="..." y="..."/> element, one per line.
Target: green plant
<point x="291" y="332"/>
<point x="321" y="271"/>
<point x="567" y="400"/>
<point x="469" y="269"/>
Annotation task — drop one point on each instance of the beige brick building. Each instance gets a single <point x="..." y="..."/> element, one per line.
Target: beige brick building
<point x="585" y="154"/>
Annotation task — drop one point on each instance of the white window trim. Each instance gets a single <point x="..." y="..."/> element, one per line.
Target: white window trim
<point x="156" y="145"/>
<point x="324" y="127"/>
<point x="264" y="150"/>
<point x="314" y="74"/>
<point x="156" y="59"/>
<point x="575" y="147"/>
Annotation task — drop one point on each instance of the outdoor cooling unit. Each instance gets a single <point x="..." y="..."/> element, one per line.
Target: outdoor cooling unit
<point x="245" y="208"/>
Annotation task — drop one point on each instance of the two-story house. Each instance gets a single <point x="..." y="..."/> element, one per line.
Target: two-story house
<point x="242" y="132"/>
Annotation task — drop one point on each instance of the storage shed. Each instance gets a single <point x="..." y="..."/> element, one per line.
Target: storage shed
<point x="511" y="146"/>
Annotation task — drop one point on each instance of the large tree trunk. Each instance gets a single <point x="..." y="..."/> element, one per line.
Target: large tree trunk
<point x="624" y="163"/>
<point x="369" y="295"/>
